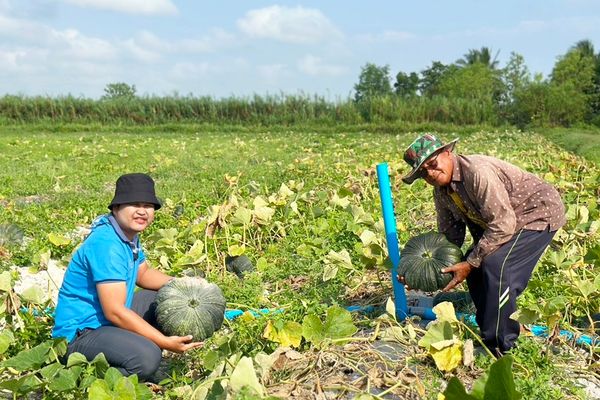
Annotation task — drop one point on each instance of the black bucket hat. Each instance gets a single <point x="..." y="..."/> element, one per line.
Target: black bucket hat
<point x="135" y="188"/>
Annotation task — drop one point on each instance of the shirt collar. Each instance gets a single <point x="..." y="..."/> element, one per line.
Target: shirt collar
<point x="456" y="171"/>
<point x="134" y="244"/>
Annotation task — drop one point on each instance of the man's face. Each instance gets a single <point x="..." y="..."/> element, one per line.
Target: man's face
<point x="437" y="171"/>
<point x="133" y="218"/>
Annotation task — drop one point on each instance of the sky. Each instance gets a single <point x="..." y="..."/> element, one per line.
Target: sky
<point x="245" y="47"/>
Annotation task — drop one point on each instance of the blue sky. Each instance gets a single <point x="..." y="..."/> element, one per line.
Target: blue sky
<point x="241" y="48"/>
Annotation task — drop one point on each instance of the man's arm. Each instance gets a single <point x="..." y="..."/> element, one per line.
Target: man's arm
<point x="149" y="278"/>
<point x="112" y="299"/>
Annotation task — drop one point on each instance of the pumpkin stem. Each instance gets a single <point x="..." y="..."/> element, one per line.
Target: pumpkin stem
<point x="193" y="303"/>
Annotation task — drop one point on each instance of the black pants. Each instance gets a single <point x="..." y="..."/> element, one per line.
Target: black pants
<point x="129" y="352"/>
<point x="495" y="285"/>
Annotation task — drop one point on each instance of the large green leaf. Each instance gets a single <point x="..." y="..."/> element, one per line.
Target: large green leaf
<point x="244" y="375"/>
<point x="5" y="281"/>
<point x="22" y="384"/>
<point x="6" y="339"/>
<point x="500" y="384"/>
<point x="338" y="325"/>
<point x="456" y="391"/>
<point x="30" y="359"/>
<point x="66" y="379"/>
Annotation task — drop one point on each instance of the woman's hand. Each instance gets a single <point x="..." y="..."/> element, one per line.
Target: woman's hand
<point x="180" y="344"/>
<point x="460" y="271"/>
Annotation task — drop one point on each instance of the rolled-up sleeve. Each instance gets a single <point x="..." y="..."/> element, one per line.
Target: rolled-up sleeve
<point x="496" y="210"/>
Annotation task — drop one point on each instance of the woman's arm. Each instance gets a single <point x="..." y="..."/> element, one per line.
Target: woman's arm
<point x="149" y="278"/>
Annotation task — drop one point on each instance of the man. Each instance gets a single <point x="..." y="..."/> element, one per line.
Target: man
<point x="512" y="216"/>
<point x="97" y="310"/>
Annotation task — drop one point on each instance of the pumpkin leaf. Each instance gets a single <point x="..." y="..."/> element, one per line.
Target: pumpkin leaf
<point x="288" y="333"/>
<point x="437" y="332"/>
<point x="444" y="311"/>
<point x="65" y="379"/>
<point x="244" y="376"/>
<point x="500" y="384"/>
<point x="338" y="325"/>
<point x="236" y="250"/>
<point x="6" y="339"/>
<point x="329" y="272"/>
<point x="592" y="256"/>
<point x="448" y="357"/>
<point x="456" y="391"/>
<point x="263" y="215"/>
<point x="525" y="316"/>
<point x="58" y="240"/>
<point x="390" y="307"/>
<point x="5" y="281"/>
<point x="22" y="384"/>
<point x="29" y="359"/>
<point x="242" y="216"/>
<point x="33" y="294"/>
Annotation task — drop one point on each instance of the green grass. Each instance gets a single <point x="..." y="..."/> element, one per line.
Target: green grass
<point x="582" y="141"/>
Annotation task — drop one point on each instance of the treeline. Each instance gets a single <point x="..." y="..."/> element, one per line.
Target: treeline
<point x="473" y="90"/>
<point x="570" y="95"/>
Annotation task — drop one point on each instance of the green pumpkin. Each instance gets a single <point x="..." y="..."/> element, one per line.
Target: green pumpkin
<point x="423" y="258"/>
<point x="10" y="234"/>
<point x="239" y="265"/>
<point x="190" y="306"/>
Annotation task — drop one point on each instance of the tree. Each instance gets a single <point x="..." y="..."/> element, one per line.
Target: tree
<point x="406" y="85"/>
<point x="481" y="56"/>
<point x="373" y="81"/>
<point x="432" y="76"/>
<point x="475" y="81"/>
<point x="119" y="90"/>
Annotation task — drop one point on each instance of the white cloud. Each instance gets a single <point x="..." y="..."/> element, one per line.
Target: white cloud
<point x="312" y="65"/>
<point x="145" y="7"/>
<point x="289" y="25"/>
<point x="272" y="73"/>
<point x="386" y="36"/>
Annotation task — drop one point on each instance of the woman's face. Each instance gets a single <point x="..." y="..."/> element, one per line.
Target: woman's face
<point x="133" y="218"/>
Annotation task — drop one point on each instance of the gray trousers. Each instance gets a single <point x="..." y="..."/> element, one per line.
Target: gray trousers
<point x="129" y="352"/>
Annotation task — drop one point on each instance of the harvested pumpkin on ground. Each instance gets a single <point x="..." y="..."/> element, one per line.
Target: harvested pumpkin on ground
<point x="239" y="265"/>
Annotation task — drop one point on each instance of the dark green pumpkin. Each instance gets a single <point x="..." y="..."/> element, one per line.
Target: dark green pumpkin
<point x="423" y="258"/>
<point x="190" y="306"/>
<point x="239" y="265"/>
<point x="10" y="234"/>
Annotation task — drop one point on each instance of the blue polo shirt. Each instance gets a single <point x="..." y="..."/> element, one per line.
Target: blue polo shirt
<point x="106" y="255"/>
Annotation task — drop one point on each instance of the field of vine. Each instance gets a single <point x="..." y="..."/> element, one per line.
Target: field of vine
<point x="303" y="206"/>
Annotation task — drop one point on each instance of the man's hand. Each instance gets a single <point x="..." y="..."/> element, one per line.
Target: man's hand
<point x="180" y="344"/>
<point x="460" y="271"/>
<point x="402" y="281"/>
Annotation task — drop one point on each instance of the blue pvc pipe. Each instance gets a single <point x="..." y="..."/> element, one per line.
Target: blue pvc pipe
<point x="391" y="236"/>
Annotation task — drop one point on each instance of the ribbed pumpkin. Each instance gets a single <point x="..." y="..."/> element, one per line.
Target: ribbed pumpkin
<point x="190" y="306"/>
<point x="423" y="258"/>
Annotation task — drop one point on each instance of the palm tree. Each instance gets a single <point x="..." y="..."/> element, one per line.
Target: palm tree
<point x="481" y="56"/>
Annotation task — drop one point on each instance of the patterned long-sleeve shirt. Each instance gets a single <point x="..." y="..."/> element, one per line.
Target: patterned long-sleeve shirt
<point x="495" y="200"/>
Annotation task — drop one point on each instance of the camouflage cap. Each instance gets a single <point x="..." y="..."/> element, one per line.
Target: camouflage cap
<point x="419" y="151"/>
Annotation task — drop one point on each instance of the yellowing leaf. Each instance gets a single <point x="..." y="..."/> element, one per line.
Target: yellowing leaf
<point x="58" y="240"/>
<point x="329" y="272"/>
<point x="390" y="307"/>
<point x="242" y="216"/>
<point x="263" y="215"/>
<point x="288" y="334"/>
<point x="236" y="250"/>
<point x="445" y="312"/>
<point x="448" y="358"/>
